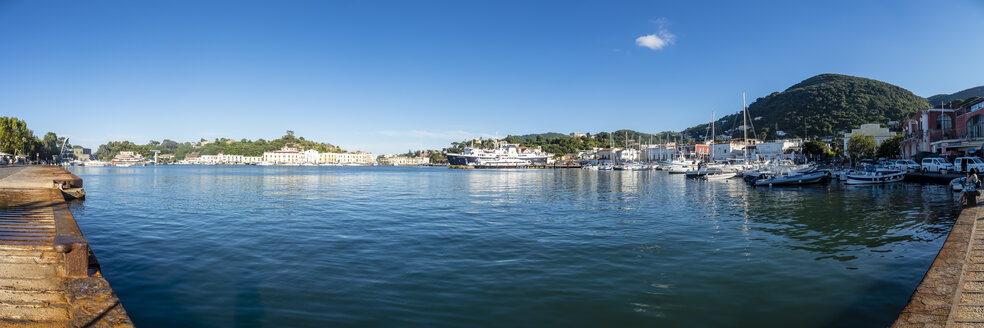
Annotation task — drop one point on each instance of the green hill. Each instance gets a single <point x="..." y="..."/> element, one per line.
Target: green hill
<point x="977" y="92"/>
<point x="822" y="105"/>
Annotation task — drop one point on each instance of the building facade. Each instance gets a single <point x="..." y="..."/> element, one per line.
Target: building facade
<point x="871" y="129"/>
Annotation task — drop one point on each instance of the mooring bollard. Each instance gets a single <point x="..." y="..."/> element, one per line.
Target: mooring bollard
<point x="76" y="250"/>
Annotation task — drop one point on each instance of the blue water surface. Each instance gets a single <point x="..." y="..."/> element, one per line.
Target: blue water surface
<point x="250" y="246"/>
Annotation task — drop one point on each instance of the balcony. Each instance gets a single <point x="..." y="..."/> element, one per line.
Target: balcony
<point x="937" y="135"/>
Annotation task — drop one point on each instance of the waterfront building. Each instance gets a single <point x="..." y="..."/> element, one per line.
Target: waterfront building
<point x="328" y="158"/>
<point x="871" y="129"/>
<point x="727" y="150"/>
<point x="968" y="128"/>
<point x="400" y="160"/>
<point x="286" y="155"/>
<point x="359" y="157"/>
<point x="625" y="155"/>
<point x="774" y="149"/>
<point x="82" y="154"/>
<point x="653" y="153"/>
<point x="925" y="128"/>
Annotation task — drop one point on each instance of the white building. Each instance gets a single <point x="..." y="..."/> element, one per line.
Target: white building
<point x="872" y="129"/>
<point x="400" y="160"/>
<point x="773" y="149"/>
<point x="286" y="155"/>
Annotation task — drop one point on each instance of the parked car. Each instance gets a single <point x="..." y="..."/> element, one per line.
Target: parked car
<point x="936" y="164"/>
<point x="906" y="164"/>
<point x="964" y="164"/>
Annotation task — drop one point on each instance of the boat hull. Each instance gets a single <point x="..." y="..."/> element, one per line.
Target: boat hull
<point x="802" y="179"/>
<point x="855" y="179"/>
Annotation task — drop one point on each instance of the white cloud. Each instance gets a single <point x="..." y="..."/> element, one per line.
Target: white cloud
<point x="658" y="40"/>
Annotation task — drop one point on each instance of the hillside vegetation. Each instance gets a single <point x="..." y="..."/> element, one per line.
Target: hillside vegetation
<point x="822" y="105"/>
<point x="220" y="145"/>
<point x="975" y="92"/>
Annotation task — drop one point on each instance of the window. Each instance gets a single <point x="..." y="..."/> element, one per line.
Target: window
<point x="944" y="122"/>
<point x="975" y="127"/>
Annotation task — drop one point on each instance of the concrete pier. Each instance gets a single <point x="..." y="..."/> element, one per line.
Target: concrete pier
<point x="48" y="276"/>
<point x="951" y="293"/>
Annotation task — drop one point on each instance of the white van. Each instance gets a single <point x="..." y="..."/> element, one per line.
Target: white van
<point x="964" y="164"/>
<point x="935" y="164"/>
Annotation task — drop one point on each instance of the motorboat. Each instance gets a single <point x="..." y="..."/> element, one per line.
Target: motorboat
<point x="875" y="177"/>
<point x="717" y="174"/>
<point x="787" y="176"/>
<point x="679" y="169"/>
<point x="958" y="184"/>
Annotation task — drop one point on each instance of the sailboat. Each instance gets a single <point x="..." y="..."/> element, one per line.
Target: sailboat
<point x="701" y="171"/>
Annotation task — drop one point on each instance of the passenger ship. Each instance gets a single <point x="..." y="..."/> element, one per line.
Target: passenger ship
<point x="509" y="152"/>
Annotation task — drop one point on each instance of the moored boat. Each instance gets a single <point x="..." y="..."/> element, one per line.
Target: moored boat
<point x="875" y="177"/>
<point x="787" y="177"/>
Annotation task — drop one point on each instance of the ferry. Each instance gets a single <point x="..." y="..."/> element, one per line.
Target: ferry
<point x="510" y="152"/>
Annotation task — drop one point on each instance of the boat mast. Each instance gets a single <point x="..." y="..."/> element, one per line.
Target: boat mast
<point x="744" y="126"/>
<point x="711" y="151"/>
<point x="611" y="138"/>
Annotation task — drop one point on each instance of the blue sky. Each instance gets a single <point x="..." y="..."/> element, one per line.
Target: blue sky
<point x="390" y="76"/>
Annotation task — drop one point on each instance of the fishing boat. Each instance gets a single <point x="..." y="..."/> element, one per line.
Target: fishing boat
<point x="875" y="177"/>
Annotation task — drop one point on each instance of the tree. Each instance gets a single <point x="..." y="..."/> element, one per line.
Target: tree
<point x="891" y="148"/>
<point x="49" y="146"/>
<point x="861" y="146"/>
<point x="816" y="148"/>
<point x="15" y="137"/>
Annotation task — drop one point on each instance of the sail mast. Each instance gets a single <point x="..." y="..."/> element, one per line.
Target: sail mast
<point x="711" y="145"/>
<point x="744" y="126"/>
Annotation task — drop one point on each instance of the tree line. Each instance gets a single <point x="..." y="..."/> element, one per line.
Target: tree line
<point x="18" y="140"/>
<point x="226" y="146"/>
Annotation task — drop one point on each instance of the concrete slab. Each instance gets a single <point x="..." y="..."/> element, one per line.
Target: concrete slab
<point x="34" y="313"/>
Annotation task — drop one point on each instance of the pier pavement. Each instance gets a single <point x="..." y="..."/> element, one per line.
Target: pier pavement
<point x="48" y="276"/>
<point x="951" y="293"/>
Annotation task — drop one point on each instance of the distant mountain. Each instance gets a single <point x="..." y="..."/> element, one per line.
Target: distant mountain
<point x="822" y="105"/>
<point x="962" y="95"/>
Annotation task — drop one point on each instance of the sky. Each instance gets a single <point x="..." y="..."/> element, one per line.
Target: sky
<point x="387" y="77"/>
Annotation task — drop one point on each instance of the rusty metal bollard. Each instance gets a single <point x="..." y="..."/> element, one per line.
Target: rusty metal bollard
<point x="76" y="250"/>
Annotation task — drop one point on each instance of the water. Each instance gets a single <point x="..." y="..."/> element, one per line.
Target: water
<point x="381" y="246"/>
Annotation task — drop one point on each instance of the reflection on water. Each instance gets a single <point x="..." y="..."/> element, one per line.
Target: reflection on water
<point x="350" y="246"/>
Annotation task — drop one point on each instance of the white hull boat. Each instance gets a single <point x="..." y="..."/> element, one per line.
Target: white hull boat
<point x="720" y="176"/>
<point x="876" y="177"/>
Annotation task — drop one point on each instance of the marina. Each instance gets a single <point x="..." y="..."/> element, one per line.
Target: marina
<point x="531" y="243"/>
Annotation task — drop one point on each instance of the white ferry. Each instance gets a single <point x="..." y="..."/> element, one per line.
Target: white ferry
<point x="510" y="152"/>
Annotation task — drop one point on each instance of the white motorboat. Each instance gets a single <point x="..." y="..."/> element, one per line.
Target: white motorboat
<point x="719" y="175"/>
<point x="679" y="169"/>
<point x="958" y="184"/>
<point x="875" y="177"/>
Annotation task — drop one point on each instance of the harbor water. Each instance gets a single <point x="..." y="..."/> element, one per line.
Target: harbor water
<point x="223" y="246"/>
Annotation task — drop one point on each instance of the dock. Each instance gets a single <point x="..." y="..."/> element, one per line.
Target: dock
<point x="930" y="177"/>
<point x="951" y="293"/>
<point x="48" y="275"/>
